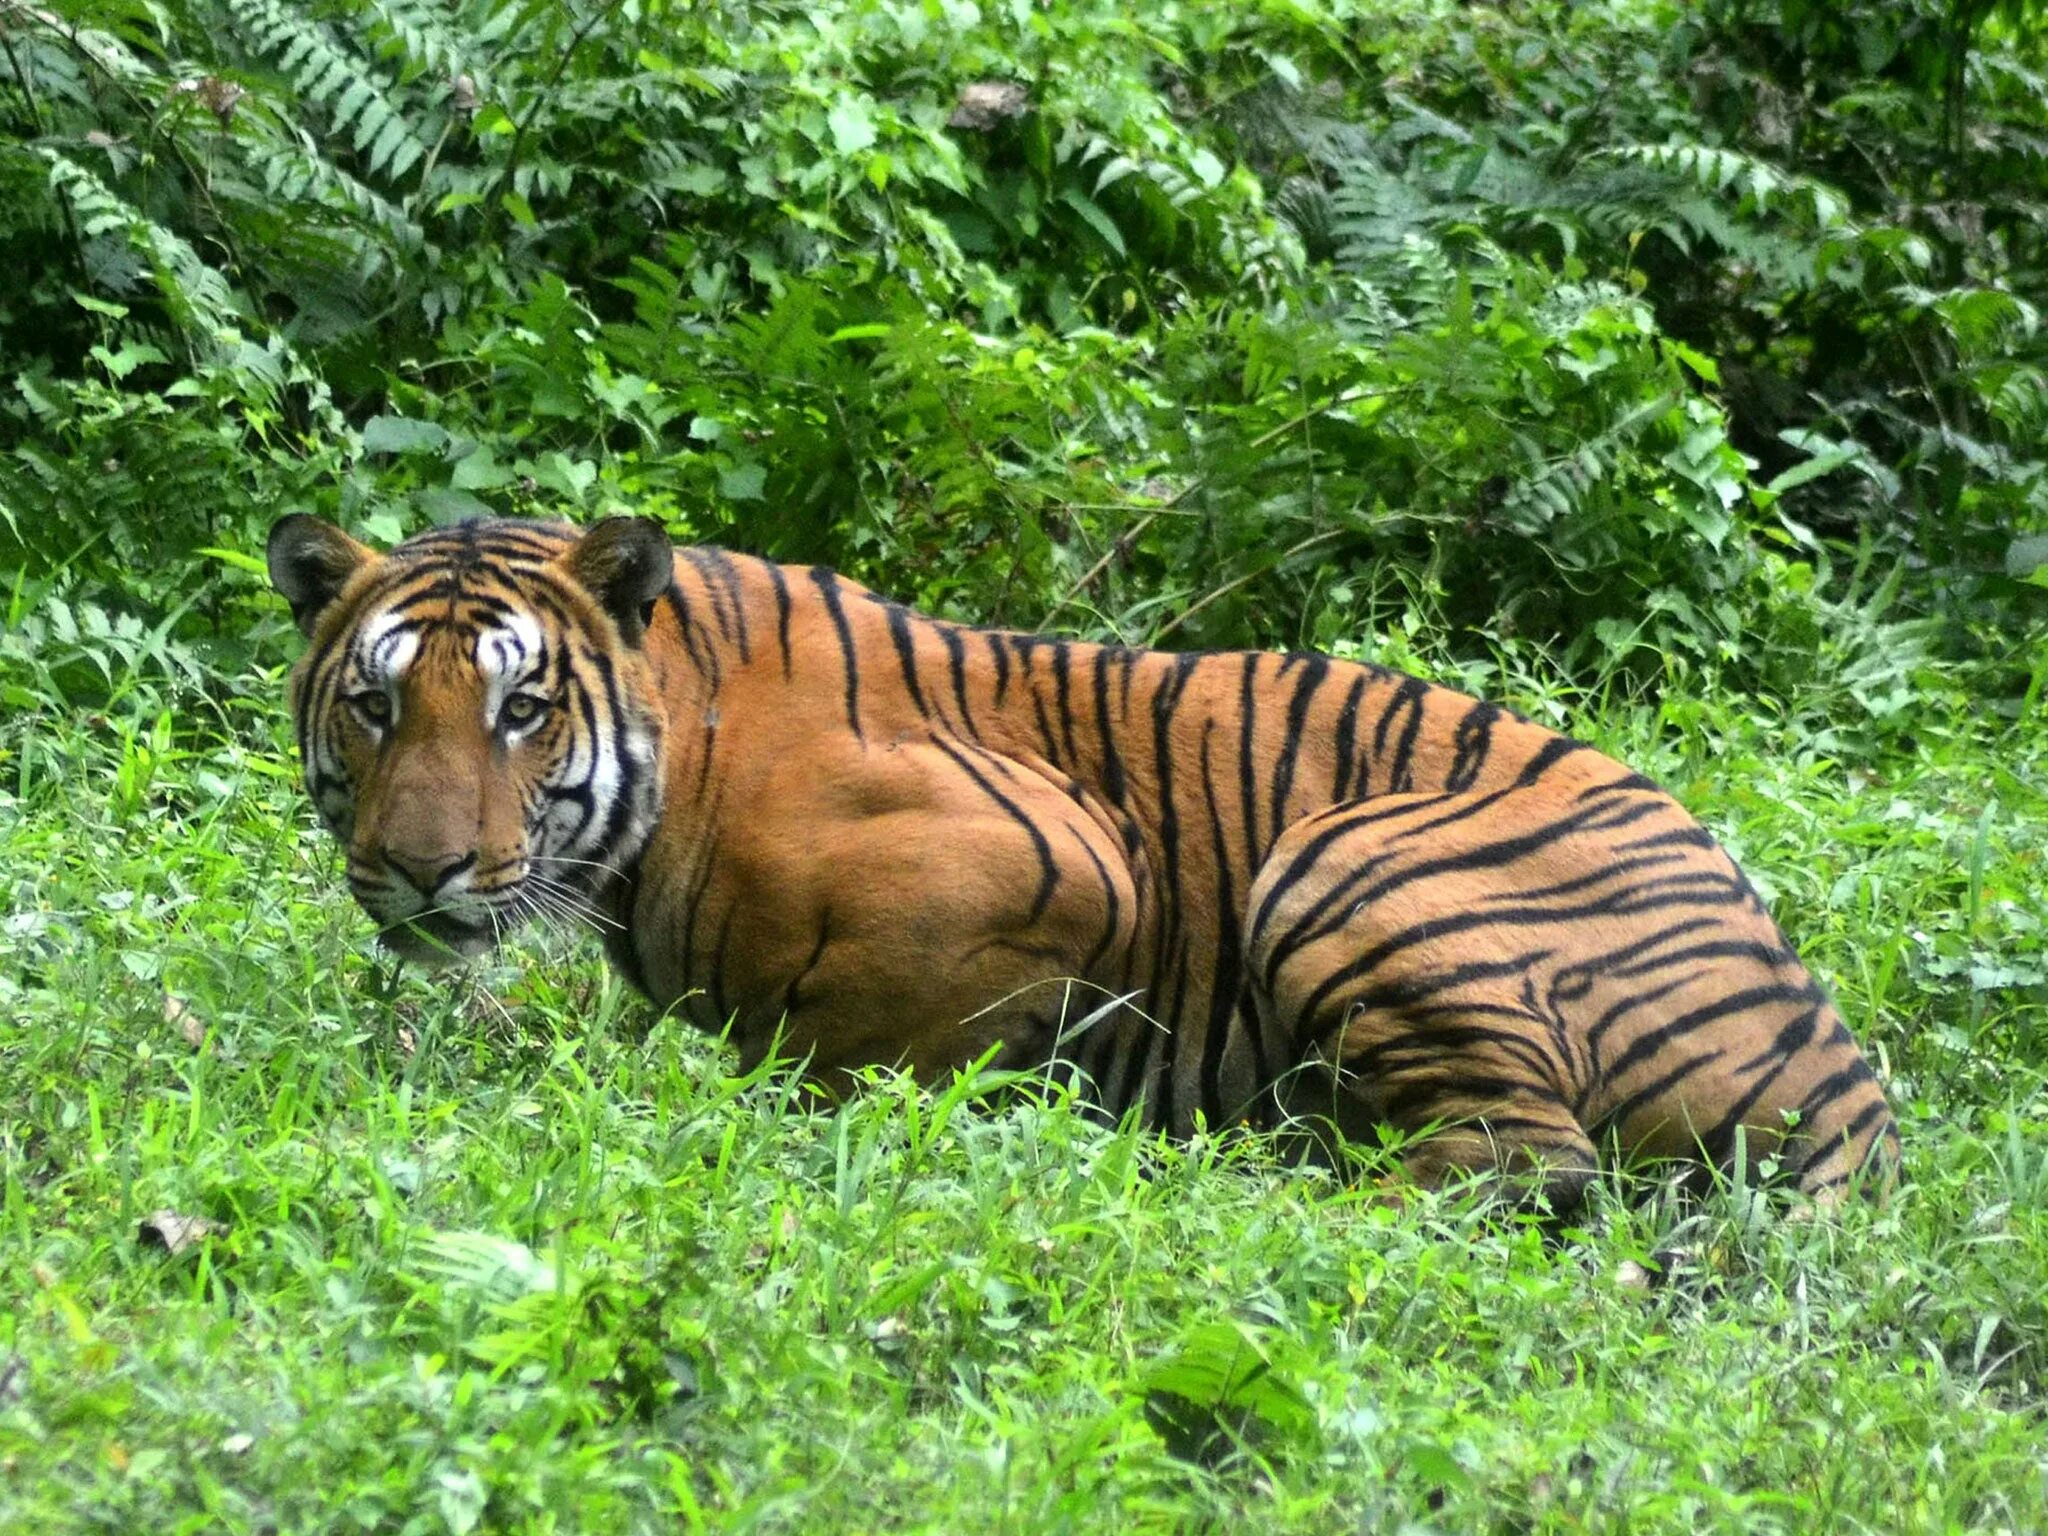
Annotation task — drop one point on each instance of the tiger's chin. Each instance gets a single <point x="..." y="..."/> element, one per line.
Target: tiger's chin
<point x="436" y="941"/>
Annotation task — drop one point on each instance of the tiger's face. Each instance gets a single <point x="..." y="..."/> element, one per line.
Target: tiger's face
<point x="476" y="721"/>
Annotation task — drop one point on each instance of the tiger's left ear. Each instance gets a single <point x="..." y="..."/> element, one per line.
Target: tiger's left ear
<point x="626" y="563"/>
<point x="310" y="562"/>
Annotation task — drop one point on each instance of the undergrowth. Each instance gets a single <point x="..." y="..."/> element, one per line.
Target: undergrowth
<point x="505" y="1252"/>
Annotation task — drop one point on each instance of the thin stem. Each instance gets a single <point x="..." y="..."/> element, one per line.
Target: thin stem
<point x="1266" y="439"/>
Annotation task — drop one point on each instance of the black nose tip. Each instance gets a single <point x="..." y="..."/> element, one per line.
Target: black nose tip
<point x="427" y="874"/>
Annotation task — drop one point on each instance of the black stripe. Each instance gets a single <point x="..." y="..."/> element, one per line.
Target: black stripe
<point x="1656" y="1088"/>
<point x="1713" y="949"/>
<point x="1002" y="662"/>
<point x="702" y="657"/>
<point x="620" y="943"/>
<point x="1169" y="957"/>
<point x="1048" y="869"/>
<point x="1474" y="741"/>
<point x="1442" y="926"/>
<point x="1347" y="738"/>
<point x="1313" y="670"/>
<point x="1555" y="751"/>
<point x="726" y="576"/>
<point x="828" y="587"/>
<point x="1025" y="645"/>
<point x="906" y="656"/>
<point x="1793" y="1038"/>
<point x="956" y="662"/>
<point x="781" y="585"/>
<point x="1247" y="784"/>
<point x="1062" y="658"/>
<point x="1407" y="701"/>
<point x="1112" y="763"/>
<point x="1652" y="1042"/>
<point x="1115" y="915"/>
<point x="1226" y="980"/>
<point x="792" y="994"/>
<point x="719" y="1002"/>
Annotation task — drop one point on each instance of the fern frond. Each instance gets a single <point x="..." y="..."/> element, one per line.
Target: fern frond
<point x="198" y="294"/>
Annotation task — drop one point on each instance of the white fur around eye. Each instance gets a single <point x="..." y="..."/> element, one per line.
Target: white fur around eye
<point x="386" y="650"/>
<point x="505" y="656"/>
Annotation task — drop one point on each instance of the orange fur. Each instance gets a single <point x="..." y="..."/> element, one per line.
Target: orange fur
<point x="1220" y="886"/>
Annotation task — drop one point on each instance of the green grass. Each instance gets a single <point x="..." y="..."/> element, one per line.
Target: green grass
<point x="505" y="1253"/>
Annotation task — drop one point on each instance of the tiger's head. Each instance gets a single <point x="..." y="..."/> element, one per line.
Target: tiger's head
<point x="478" y="724"/>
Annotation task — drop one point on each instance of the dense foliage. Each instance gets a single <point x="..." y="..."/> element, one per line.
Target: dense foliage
<point x="1673" y="370"/>
<point x="1190" y="320"/>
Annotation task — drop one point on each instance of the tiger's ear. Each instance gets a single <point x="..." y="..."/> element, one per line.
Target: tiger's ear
<point x="310" y="562"/>
<point x="625" y="563"/>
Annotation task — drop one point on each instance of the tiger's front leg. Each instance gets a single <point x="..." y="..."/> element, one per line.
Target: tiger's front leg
<point x="928" y="903"/>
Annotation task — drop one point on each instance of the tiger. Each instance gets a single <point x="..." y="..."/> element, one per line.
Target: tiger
<point x="1197" y="889"/>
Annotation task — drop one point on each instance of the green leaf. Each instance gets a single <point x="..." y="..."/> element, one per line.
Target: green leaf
<point x="124" y="362"/>
<point x="91" y="305"/>
<point x="852" y="122"/>
<point x="569" y="477"/>
<point x="1701" y="365"/>
<point x="744" y="481"/>
<point x="445" y="505"/>
<point x="1827" y="461"/>
<point x="239" y="559"/>
<point x="384" y="526"/>
<point x="1091" y="212"/>
<point x="2027" y="558"/>
<point x="402" y="434"/>
<point x="479" y="471"/>
<point x="1227" y="1366"/>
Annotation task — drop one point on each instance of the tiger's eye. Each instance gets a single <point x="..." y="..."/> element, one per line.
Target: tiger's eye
<point x="522" y="709"/>
<point x="373" y="705"/>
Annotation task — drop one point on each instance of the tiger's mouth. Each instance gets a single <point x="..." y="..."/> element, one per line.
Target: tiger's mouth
<point x="436" y="939"/>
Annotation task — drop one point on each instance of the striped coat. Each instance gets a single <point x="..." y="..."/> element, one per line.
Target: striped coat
<point x="1212" y="886"/>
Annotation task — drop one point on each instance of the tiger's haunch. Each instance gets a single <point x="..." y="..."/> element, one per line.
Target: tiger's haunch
<point x="1220" y="886"/>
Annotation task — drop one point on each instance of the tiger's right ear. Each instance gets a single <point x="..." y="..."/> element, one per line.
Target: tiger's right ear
<point x="310" y="562"/>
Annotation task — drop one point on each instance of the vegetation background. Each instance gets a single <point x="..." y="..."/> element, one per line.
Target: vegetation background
<point x="1672" y="371"/>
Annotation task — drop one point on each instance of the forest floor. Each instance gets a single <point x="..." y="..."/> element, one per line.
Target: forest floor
<point x="502" y="1252"/>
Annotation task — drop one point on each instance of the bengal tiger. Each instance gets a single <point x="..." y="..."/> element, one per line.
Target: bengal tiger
<point x="1208" y="887"/>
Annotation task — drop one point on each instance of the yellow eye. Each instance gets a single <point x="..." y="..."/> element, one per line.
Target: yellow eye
<point x="522" y="709"/>
<point x="373" y="705"/>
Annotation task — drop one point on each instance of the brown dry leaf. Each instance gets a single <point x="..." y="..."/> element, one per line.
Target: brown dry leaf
<point x="408" y="1042"/>
<point x="180" y="1013"/>
<point x="985" y="103"/>
<point x="220" y="97"/>
<point x="174" y="1233"/>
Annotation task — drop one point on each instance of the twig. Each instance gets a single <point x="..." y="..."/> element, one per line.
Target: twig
<point x="576" y="38"/>
<point x="1232" y="585"/>
<point x="1264" y="439"/>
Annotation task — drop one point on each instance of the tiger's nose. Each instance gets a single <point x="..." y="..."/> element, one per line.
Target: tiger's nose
<point x="428" y="873"/>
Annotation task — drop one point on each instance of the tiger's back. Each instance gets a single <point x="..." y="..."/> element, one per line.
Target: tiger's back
<point x="1215" y="885"/>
